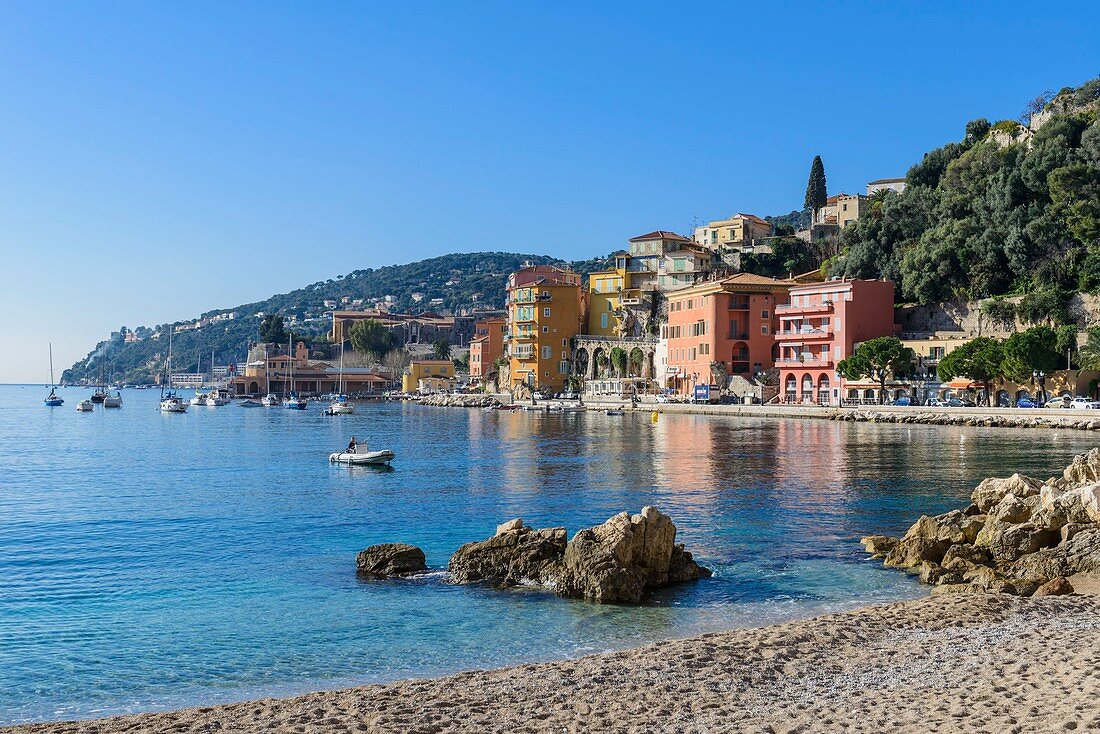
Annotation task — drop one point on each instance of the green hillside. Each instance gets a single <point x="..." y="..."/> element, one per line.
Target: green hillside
<point x="461" y="280"/>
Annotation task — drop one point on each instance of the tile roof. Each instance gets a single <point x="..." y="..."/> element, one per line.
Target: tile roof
<point x="660" y="234"/>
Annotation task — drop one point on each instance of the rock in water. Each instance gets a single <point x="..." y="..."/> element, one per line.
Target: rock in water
<point x="390" y="559"/>
<point x="515" y="555"/>
<point x="618" y="561"/>
<point x="623" y="559"/>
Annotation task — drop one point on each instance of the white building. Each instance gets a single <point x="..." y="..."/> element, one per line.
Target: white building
<point x="893" y="184"/>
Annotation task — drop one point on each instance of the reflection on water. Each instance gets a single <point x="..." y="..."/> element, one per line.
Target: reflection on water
<point x="162" y="561"/>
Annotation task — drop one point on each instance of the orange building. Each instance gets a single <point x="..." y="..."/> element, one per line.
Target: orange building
<point x="729" y="322"/>
<point x="546" y="309"/>
<point x="487" y="346"/>
<point x="822" y="325"/>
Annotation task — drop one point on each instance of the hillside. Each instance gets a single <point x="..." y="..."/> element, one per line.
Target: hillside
<point x="460" y="280"/>
<point x="1011" y="209"/>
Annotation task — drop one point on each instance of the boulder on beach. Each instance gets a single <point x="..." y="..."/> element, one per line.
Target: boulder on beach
<point x="621" y="560"/>
<point x="390" y="559"/>
<point x="1019" y="535"/>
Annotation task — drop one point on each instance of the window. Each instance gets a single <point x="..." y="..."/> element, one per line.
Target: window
<point x="565" y="342"/>
<point x="547" y="352"/>
<point x="546" y="330"/>
<point x="603" y="321"/>
<point x="765" y="315"/>
<point x="836" y="325"/>
<point x="610" y="306"/>
<point x="764" y="329"/>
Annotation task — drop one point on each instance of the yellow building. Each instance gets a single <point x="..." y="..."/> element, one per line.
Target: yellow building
<point x="546" y="309"/>
<point x="736" y="234"/>
<point x="608" y="292"/>
<point x="428" y="375"/>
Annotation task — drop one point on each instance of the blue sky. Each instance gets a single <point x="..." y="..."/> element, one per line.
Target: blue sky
<point x="158" y="160"/>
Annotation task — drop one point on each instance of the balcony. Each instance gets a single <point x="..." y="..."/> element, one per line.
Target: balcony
<point x="805" y="361"/>
<point x="814" y="308"/>
<point x="805" y="333"/>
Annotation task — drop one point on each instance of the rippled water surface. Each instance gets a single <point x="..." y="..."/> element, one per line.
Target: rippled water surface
<point x="153" y="561"/>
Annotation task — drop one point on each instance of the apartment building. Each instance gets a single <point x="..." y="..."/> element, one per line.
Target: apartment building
<point x="546" y="310"/>
<point x="487" y="346"/>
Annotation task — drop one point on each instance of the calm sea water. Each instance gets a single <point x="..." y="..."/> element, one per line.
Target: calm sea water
<point x="151" y="561"/>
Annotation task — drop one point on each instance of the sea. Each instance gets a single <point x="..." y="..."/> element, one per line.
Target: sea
<point x="152" y="561"/>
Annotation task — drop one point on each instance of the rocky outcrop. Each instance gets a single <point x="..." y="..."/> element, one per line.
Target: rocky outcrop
<point x="621" y="560"/>
<point x="390" y="559"/>
<point x="1019" y="536"/>
<point x="515" y="555"/>
<point x="447" y="400"/>
<point x="975" y="418"/>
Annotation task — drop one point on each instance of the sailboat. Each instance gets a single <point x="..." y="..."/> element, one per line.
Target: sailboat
<point x="339" y="404"/>
<point x="170" y="402"/>
<point x="270" y="400"/>
<point x="293" y="401"/>
<point x="52" y="400"/>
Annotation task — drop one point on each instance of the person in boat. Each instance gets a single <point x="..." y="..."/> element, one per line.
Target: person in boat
<point x="351" y="445"/>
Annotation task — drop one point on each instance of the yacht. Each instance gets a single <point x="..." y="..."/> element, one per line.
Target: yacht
<point x="217" y="398"/>
<point x="200" y="398"/>
<point x="113" y="401"/>
<point x="85" y="406"/>
<point x="99" y="395"/>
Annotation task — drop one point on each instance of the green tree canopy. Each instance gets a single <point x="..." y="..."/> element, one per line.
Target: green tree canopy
<point x="1088" y="357"/>
<point x="979" y="360"/>
<point x="370" y="336"/>
<point x="441" y="348"/>
<point x="1035" y="349"/>
<point x="878" y="359"/>
<point x="272" y="329"/>
<point x="816" y="190"/>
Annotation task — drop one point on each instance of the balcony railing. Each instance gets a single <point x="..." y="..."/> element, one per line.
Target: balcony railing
<point x="806" y="361"/>
<point x="788" y="308"/>
<point x="804" y="332"/>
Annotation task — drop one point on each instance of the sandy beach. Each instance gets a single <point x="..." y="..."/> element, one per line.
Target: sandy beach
<point x="959" y="663"/>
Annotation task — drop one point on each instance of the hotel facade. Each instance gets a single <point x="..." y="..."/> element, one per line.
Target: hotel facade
<point x="546" y="310"/>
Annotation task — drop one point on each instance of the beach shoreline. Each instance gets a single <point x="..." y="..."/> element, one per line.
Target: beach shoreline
<point x="974" y="662"/>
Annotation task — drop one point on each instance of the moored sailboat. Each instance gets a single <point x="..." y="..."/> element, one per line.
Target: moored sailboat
<point x="170" y="402"/>
<point x="339" y="404"/>
<point x="52" y="400"/>
<point x="293" y="402"/>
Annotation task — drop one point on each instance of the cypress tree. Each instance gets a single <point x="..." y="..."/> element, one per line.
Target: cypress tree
<point x="815" y="189"/>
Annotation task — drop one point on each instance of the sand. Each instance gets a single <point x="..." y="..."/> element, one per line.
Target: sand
<point x="973" y="663"/>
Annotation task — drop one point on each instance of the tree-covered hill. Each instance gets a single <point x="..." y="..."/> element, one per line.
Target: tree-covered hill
<point x="460" y="281"/>
<point x="1009" y="209"/>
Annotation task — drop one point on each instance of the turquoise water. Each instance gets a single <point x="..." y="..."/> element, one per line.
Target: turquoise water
<point x="152" y="561"/>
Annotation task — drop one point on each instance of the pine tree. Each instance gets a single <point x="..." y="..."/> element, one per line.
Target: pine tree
<point x="816" y="192"/>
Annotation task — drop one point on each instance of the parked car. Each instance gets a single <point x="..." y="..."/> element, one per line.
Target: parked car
<point x="934" y="403"/>
<point x="568" y="395"/>
<point x="664" y="398"/>
<point x="1082" y="403"/>
<point x="902" y="402"/>
<point x="537" y="396"/>
<point x="1026" y="403"/>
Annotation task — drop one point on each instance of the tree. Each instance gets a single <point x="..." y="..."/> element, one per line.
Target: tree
<point x="1030" y="354"/>
<point x="979" y="360"/>
<point x="272" y="330"/>
<point x="878" y="359"/>
<point x="1065" y="343"/>
<point x="369" y="335"/>
<point x="441" y="348"/>
<point x="719" y="374"/>
<point x="1088" y="357"/>
<point x="396" y="360"/>
<point x="618" y="361"/>
<point x="816" y="190"/>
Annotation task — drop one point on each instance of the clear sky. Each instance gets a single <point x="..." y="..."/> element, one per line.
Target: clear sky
<point x="161" y="159"/>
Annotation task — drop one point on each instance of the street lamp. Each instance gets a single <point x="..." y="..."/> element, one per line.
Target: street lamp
<point x="1040" y="377"/>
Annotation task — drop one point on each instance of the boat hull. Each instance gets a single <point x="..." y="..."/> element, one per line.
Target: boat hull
<point x="359" y="459"/>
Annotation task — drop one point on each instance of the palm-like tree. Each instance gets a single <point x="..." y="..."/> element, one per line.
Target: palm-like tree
<point x="1088" y="356"/>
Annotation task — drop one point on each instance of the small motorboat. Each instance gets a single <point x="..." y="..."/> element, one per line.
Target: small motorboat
<point x="295" y="403"/>
<point x="359" y="458"/>
<point x="250" y="404"/>
<point x="270" y="401"/>
<point x="85" y="406"/>
<point x="339" y="406"/>
<point x="99" y="395"/>
<point x="113" y="401"/>
<point x="200" y="398"/>
<point x="217" y="398"/>
<point x="614" y="411"/>
<point x="170" y="403"/>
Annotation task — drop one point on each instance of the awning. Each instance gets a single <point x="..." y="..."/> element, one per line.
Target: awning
<point x="963" y="384"/>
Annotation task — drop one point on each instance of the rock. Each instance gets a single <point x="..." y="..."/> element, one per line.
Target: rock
<point x="620" y="560"/>
<point x="879" y="545"/>
<point x="512" y="557"/>
<point x="961" y="557"/>
<point x="991" y="491"/>
<point x="516" y="524"/>
<point x="1078" y="554"/>
<point x="1012" y="509"/>
<point x="930" y="537"/>
<point x="1084" y="469"/>
<point x="1057" y="586"/>
<point x="390" y="559"/>
<point x="1007" y="542"/>
<point x="1071" y="529"/>
<point x="936" y="575"/>
<point x="682" y="567"/>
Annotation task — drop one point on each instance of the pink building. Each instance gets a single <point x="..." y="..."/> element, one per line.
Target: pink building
<point x="722" y="326"/>
<point x="822" y="325"/>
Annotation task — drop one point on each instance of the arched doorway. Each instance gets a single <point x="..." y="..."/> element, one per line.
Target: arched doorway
<point x="807" y="389"/>
<point x="253" y="388"/>
<point x="791" y="390"/>
<point x="823" y="390"/>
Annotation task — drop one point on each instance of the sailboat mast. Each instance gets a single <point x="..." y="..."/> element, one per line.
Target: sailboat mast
<point x="51" y="366"/>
